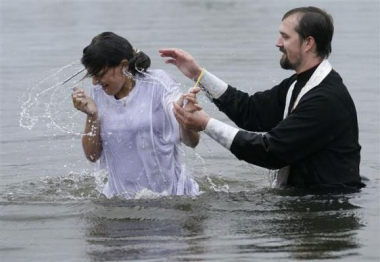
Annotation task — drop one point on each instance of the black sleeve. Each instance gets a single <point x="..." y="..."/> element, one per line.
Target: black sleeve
<point x="314" y="123"/>
<point x="259" y="112"/>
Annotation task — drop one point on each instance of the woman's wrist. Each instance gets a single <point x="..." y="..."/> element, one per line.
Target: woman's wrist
<point x="93" y="117"/>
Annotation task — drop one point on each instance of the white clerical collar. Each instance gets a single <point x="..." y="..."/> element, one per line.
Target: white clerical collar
<point x="317" y="77"/>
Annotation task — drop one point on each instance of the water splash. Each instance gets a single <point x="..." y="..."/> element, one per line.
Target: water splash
<point x="47" y="100"/>
<point x="74" y="186"/>
<point x="217" y="188"/>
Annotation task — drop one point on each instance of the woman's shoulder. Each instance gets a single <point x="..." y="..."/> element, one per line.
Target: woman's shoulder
<point x="159" y="74"/>
<point x="161" y="78"/>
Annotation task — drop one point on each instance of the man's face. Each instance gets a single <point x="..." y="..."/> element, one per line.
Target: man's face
<point x="289" y="43"/>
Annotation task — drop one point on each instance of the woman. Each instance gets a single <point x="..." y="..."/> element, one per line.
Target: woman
<point x="130" y="126"/>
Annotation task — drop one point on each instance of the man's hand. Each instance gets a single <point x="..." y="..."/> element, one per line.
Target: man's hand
<point x="189" y="101"/>
<point x="191" y="116"/>
<point x="183" y="60"/>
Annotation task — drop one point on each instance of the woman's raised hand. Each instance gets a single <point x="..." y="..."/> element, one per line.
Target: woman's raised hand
<point x="83" y="103"/>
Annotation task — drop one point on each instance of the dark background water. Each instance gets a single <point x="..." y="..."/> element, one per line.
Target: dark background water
<point x="50" y="209"/>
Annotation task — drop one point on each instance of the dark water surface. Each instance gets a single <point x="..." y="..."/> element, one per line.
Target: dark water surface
<point x="50" y="208"/>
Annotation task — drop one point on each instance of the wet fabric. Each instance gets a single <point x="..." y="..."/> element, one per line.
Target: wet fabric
<point x="141" y="139"/>
<point x="318" y="139"/>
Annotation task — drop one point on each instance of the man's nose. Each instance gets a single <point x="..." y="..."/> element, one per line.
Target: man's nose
<point x="279" y="42"/>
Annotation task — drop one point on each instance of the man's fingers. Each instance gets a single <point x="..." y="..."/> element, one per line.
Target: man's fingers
<point x="171" y="61"/>
<point x="190" y="95"/>
<point x="191" y="99"/>
<point x="169" y="52"/>
<point x="181" y="101"/>
<point x="180" y="111"/>
<point x="195" y="90"/>
<point x="177" y="109"/>
<point x="179" y="114"/>
<point x="181" y="120"/>
<point x="198" y="107"/>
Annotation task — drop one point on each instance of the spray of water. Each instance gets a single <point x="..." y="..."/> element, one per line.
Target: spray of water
<point x="47" y="100"/>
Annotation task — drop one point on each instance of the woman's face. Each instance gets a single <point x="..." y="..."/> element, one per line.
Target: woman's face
<point x="112" y="81"/>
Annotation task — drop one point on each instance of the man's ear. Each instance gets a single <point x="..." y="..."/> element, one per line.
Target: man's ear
<point x="310" y="44"/>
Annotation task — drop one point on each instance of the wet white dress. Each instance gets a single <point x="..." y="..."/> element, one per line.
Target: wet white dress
<point x="140" y="138"/>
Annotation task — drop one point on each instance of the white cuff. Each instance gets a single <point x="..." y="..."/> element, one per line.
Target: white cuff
<point x="221" y="132"/>
<point x="213" y="85"/>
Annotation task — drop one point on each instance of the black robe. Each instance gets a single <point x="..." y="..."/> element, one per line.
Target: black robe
<point x="318" y="139"/>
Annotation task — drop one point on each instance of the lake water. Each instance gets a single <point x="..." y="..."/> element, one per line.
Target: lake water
<point x="50" y="209"/>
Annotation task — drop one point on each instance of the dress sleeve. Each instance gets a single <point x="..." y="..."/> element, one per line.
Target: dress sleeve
<point x="172" y="92"/>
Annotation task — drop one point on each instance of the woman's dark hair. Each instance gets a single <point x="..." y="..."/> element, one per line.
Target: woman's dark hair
<point x="316" y="23"/>
<point x="107" y="50"/>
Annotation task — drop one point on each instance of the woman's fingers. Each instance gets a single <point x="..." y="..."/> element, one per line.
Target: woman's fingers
<point x="80" y="100"/>
<point x="79" y="103"/>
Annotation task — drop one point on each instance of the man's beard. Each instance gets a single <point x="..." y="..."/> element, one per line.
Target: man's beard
<point x="285" y="63"/>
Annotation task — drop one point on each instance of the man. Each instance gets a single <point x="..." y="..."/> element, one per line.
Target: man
<point x="309" y="118"/>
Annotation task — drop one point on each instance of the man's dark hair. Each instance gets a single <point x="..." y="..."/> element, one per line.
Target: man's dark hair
<point x="316" y="23"/>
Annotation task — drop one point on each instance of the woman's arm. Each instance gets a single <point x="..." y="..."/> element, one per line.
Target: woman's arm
<point x="189" y="137"/>
<point x="91" y="141"/>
